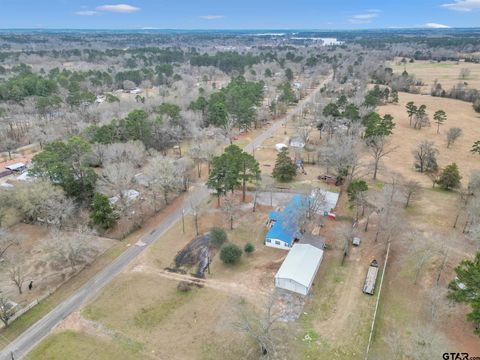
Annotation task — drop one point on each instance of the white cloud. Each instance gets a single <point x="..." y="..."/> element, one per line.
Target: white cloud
<point x="86" y="13"/>
<point x="119" y="8"/>
<point x="463" y="5"/>
<point x="365" y="18"/>
<point x="211" y="17"/>
<point x="435" y="26"/>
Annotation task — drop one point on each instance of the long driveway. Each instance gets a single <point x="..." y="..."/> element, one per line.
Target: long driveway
<point x="19" y="347"/>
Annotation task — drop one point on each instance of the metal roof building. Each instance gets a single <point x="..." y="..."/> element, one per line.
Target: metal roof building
<point x="299" y="268"/>
<point x="16" y="167"/>
<point x="283" y="228"/>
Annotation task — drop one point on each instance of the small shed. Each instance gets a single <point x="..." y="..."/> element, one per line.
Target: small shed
<point x="312" y="239"/>
<point x="280" y="146"/>
<point x="299" y="269"/>
<point x="17" y="167"/>
<point x="129" y="195"/>
<point x="297" y="142"/>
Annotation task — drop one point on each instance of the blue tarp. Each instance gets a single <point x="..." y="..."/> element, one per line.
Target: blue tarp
<point x="284" y="227"/>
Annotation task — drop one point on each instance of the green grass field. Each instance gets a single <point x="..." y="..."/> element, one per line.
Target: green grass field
<point x="70" y="345"/>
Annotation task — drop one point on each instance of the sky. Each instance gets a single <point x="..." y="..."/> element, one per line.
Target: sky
<point x="238" y="14"/>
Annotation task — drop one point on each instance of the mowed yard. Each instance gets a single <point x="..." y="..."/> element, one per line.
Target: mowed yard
<point x="141" y="313"/>
<point x="446" y="72"/>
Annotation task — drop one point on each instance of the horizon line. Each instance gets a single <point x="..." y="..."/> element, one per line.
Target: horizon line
<point x="234" y="29"/>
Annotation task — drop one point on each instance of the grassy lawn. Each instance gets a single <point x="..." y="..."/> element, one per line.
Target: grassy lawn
<point x="147" y="309"/>
<point x="70" y="345"/>
<point x="37" y="312"/>
<point x="331" y="327"/>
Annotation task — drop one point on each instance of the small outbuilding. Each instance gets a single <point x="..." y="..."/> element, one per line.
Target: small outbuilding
<point x="17" y="167"/>
<point x="299" y="269"/>
<point x="329" y="203"/>
<point x="280" y="146"/>
<point x="297" y="143"/>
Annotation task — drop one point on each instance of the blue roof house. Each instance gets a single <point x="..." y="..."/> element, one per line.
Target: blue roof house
<point x="283" y="225"/>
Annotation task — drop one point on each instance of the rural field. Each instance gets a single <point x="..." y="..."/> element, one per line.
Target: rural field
<point x="460" y="114"/>
<point x="447" y="73"/>
<point x="240" y="194"/>
<point x="146" y="294"/>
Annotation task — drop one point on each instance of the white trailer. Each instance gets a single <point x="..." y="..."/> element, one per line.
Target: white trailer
<point x="371" y="279"/>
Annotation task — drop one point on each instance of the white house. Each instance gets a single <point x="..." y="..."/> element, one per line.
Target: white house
<point x="282" y="229"/>
<point x="280" y="146"/>
<point x="136" y="91"/>
<point x="297" y="142"/>
<point x="129" y="194"/>
<point x="299" y="268"/>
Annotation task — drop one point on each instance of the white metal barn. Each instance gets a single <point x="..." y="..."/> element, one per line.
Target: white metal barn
<point x="299" y="268"/>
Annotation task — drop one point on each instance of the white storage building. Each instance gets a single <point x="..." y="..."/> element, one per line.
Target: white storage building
<point x="299" y="268"/>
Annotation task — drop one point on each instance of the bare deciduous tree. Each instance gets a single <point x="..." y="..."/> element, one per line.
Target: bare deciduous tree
<point x="425" y="156"/>
<point x="68" y="249"/>
<point x="378" y="149"/>
<point x="7" y="240"/>
<point x="452" y="135"/>
<point x="262" y="327"/>
<point x="230" y="207"/>
<point x="464" y="73"/>
<point x="345" y="232"/>
<point x="395" y="343"/>
<point x="116" y="180"/>
<point x="341" y="155"/>
<point x="131" y="152"/>
<point x="411" y="189"/>
<point x="16" y="271"/>
<point x="312" y="204"/>
<point x="163" y="177"/>
<point x="40" y="200"/>
<point x="390" y="218"/>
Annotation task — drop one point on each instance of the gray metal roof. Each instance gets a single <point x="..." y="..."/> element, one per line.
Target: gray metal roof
<point x="301" y="264"/>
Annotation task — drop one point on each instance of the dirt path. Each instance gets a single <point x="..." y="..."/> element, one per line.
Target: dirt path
<point x="346" y="304"/>
<point x="230" y="288"/>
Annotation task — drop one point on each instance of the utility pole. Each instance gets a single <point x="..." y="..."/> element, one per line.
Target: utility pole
<point x="183" y="221"/>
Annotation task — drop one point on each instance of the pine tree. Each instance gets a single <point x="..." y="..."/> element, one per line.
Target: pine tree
<point x="466" y="288"/>
<point x="450" y="177"/>
<point x="476" y="147"/>
<point x="284" y="169"/>
<point x="439" y="117"/>
<point x="102" y="213"/>
<point x="394" y="95"/>
<point x="411" y="110"/>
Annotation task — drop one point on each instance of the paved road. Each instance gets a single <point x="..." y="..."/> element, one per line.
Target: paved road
<point x="32" y="336"/>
